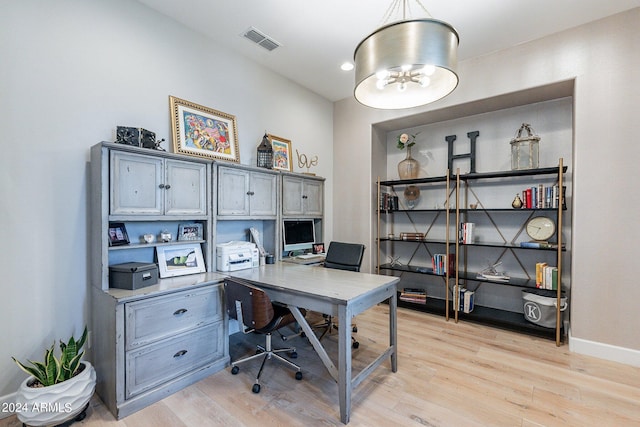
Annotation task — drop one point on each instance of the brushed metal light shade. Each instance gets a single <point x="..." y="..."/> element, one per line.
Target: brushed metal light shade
<point x="416" y="42"/>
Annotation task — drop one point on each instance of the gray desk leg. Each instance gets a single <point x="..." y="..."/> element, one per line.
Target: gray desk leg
<point x="393" y="331"/>
<point x="315" y="342"/>
<point x="344" y="362"/>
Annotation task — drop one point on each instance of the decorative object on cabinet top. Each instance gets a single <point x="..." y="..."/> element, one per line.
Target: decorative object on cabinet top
<point x="202" y="131"/>
<point x="264" y="154"/>
<point x="304" y="162"/>
<point x="281" y="153"/>
<point x="524" y="149"/>
<point x="138" y="137"/>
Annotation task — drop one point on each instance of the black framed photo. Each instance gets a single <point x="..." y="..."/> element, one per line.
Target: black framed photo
<point x="318" y="248"/>
<point x="118" y="234"/>
<point x="191" y="231"/>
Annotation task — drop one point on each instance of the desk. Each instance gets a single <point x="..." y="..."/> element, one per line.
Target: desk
<point x="339" y="293"/>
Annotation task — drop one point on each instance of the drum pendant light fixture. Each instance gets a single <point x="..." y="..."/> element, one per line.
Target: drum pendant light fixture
<point x="407" y="63"/>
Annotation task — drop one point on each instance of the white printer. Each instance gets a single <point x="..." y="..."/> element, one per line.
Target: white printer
<point x="236" y="255"/>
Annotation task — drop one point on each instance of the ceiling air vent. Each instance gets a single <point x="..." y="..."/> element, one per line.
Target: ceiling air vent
<point x="261" y="39"/>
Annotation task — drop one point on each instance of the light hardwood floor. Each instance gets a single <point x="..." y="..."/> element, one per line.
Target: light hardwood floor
<point x="448" y="375"/>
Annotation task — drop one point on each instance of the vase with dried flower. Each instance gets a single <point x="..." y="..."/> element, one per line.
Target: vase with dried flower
<point x="409" y="167"/>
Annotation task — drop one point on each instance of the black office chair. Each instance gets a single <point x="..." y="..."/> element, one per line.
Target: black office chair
<point x="341" y="256"/>
<point x="255" y="312"/>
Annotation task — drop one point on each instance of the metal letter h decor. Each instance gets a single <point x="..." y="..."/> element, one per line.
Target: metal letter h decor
<point x="471" y="154"/>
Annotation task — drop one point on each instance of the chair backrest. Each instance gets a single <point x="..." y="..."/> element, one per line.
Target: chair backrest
<point x="344" y="256"/>
<point x="255" y="305"/>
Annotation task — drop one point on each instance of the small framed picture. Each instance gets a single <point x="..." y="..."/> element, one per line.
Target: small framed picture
<point x="180" y="260"/>
<point x="318" y="248"/>
<point x="281" y="153"/>
<point x="202" y="131"/>
<point x="118" y="234"/>
<point x="192" y="231"/>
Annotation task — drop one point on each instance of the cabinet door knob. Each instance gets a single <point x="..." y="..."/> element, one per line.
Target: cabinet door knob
<point x="180" y="353"/>
<point x="304" y="197"/>
<point x="179" y="312"/>
<point x="250" y="193"/>
<point x="168" y="186"/>
<point x="161" y="185"/>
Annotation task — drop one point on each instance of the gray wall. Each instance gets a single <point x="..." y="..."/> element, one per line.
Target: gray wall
<point x="71" y="72"/>
<point x="602" y="58"/>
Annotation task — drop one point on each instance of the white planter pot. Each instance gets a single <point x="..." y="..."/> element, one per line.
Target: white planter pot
<point x="55" y="404"/>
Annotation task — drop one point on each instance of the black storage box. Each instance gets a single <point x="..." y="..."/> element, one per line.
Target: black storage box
<point x="133" y="275"/>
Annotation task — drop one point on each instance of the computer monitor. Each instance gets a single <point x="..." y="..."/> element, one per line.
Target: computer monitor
<point x="299" y="234"/>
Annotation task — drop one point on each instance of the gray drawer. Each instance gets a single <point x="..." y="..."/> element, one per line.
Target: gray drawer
<point x="153" y="319"/>
<point x="158" y="363"/>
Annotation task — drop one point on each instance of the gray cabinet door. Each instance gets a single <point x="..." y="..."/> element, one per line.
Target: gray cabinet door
<point x="312" y="197"/>
<point x="233" y="191"/>
<point x="185" y="188"/>
<point x="302" y="196"/>
<point x="263" y="194"/>
<point x="135" y="182"/>
<point x="292" y="196"/>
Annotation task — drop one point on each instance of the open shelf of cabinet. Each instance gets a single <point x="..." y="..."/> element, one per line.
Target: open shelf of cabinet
<point x="455" y="213"/>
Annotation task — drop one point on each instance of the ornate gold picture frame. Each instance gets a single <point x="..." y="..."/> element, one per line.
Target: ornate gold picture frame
<point x="281" y="153"/>
<point x="202" y="131"/>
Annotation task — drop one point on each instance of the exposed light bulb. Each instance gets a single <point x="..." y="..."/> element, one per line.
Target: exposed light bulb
<point x="380" y="84"/>
<point x="429" y="70"/>
<point x="405" y="68"/>
<point x="382" y="74"/>
<point x="424" y="81"/>
<point x="402" y="87"/>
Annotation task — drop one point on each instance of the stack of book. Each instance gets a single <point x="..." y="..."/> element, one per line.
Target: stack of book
<point x="414" y="295"/>
<point x="546" y="276"/>
<point x="412" y="236"/>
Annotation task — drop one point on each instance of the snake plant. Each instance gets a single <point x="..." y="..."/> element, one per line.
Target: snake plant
<point x="54" y="370"/>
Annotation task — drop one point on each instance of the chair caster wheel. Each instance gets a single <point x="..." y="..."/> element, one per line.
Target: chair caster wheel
<point x="355" y="344"/>
<point x="284" y="338"/>
<point x="302" y="334"/>
<point x="235" y="370"/>
<point x="256" y="388"/>
<point x="298" y="375"/>
<point x="354" y="329"/>
<point x="293" y="355"/>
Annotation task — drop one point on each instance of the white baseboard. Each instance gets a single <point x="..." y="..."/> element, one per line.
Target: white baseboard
<point x="5" y="402"/>
<point x="604" y="351"/>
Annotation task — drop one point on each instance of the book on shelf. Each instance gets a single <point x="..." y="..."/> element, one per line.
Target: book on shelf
<point x="441" y="263"/>
<point x="465" y="300"/>
<point x="546" y="276"/>
<point x="411" y="236"/>
<point x="467" y="231"/>
<point x="543" y="197"/>
<point x="540" y="245"/>
<point x="415" y="295"/>
<point x="388" y="202"/>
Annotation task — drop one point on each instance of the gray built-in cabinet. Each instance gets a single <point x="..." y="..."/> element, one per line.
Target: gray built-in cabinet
<point x="247" y="192"/>
<point x="151" y="342"/>
<point x="302" y="196"/>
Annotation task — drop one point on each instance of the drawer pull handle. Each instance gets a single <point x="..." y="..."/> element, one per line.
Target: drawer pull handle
<point x="179" y="312"/>
<point x="180" y="353"/>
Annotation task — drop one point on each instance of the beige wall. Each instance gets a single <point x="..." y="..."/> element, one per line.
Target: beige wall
<point x="602" y="58"/>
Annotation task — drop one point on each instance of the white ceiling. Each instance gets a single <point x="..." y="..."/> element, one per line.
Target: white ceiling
<point x="316" y="37"/>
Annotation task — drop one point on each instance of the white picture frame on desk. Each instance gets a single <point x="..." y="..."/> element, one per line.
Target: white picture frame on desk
<point x="180" y="260"/>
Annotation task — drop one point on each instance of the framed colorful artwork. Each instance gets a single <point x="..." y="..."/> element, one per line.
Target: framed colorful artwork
<point x="202" y="131"/>
<point x="179" y="260"/>
<point x="281" y="153"/>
